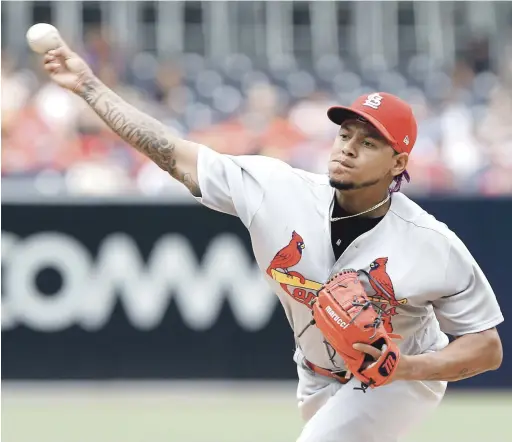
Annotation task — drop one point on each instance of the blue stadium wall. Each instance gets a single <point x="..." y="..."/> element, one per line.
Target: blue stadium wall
<point x="84" y="294"/>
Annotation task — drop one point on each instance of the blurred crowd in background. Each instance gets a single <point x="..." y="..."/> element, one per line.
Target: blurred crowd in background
<point x="238" y="105"/>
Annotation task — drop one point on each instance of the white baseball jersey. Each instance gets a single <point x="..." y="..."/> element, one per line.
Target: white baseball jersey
<point x="427" y="281"/>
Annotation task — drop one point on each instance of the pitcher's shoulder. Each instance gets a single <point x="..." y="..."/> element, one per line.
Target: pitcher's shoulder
<point x="417" y="219"/>
<point x="277" y="172"/>
<point x="314" y="179"/>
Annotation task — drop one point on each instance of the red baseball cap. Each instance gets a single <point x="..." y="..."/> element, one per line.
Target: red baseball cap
<point x="390" y="115"/>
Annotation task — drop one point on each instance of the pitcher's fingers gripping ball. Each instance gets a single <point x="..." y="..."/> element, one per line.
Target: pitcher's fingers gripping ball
<point x="43" y="37"/>
<point x="65" y="67"/>
<point x="346" y="316"/>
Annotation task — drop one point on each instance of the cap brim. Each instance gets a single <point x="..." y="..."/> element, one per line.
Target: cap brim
<point x="339" y="114"/>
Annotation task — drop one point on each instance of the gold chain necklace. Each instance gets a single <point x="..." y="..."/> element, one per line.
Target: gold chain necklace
<point x="384" y="201"/>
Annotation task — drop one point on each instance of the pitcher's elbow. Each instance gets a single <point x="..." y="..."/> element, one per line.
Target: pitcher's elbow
<point x="495" y="351"/>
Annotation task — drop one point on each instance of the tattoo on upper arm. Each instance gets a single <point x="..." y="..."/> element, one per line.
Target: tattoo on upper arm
<point x="143" y="132"/>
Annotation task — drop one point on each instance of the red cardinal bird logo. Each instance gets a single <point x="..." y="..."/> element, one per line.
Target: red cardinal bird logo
<point x="287" y="257"/>
<point x="381" y="282"/>
<point x="384" y="291"/>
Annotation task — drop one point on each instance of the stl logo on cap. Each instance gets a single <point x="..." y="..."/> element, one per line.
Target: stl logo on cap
<point x="373" y="100"/>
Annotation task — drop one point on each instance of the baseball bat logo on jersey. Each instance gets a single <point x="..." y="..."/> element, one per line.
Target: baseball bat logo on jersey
<point x="292" y="282"/>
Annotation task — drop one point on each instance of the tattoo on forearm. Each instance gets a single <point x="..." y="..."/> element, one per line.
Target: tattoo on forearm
<point x="141" y="131"/>
<point x="463" y="374"/>
<point x="434" y="377"/>
<point x="467" y="373"/>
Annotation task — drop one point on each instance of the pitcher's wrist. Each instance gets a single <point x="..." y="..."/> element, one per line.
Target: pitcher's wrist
<point x="82" y="85"/>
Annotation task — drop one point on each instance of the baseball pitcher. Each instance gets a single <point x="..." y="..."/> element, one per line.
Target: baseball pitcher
<point x="370" y="282"/>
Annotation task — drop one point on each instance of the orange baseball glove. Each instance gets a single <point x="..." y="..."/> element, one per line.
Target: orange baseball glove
<point x="346" y="316"/>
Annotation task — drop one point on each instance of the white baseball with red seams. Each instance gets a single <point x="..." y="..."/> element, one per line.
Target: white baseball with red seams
<point x="43" y="37"/>
<point x="422" y="274"/>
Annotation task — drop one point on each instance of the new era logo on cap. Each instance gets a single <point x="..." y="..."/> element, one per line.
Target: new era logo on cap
<point x="406" y="140"/>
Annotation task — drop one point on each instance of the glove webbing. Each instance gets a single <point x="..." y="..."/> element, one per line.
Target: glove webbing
<point x="380" y="310"/>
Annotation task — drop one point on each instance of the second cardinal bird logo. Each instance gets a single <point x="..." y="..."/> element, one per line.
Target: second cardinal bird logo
<point x="384" y="291"/>
<point x="292" y="282"/>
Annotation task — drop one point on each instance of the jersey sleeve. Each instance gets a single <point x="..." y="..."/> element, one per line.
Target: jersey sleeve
<point x="469" y="305"/>
<point x="235" y="185"/>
